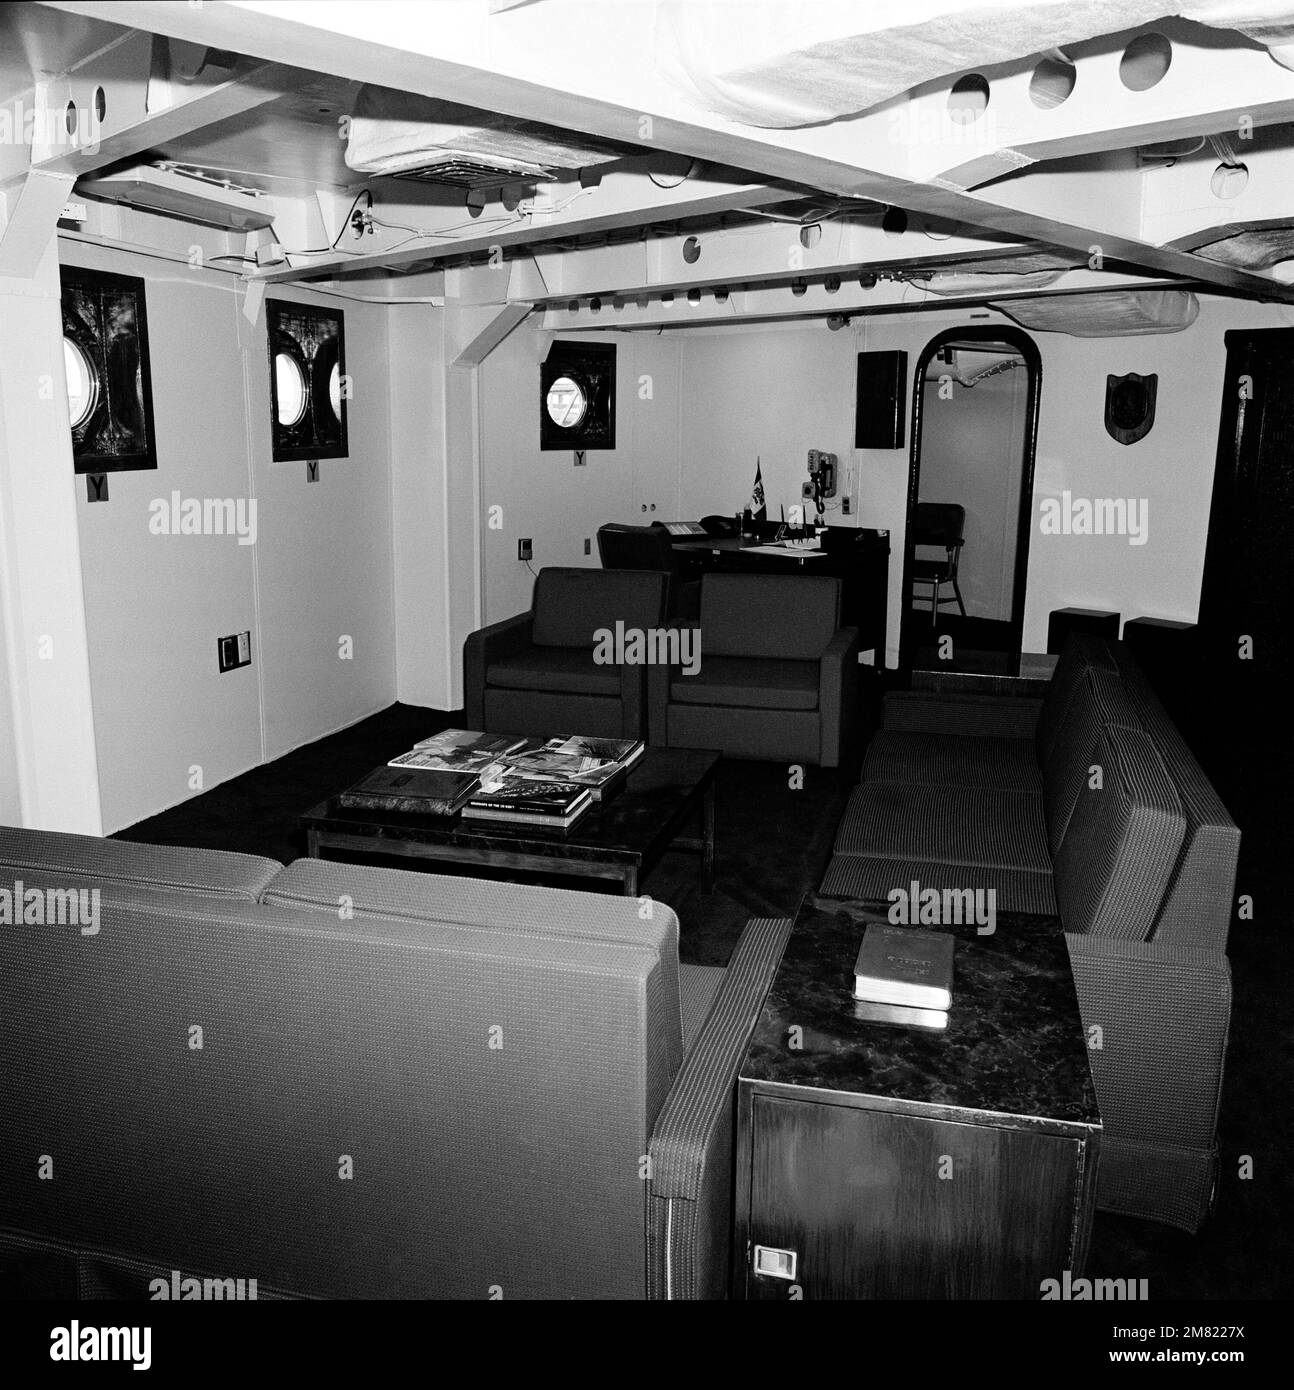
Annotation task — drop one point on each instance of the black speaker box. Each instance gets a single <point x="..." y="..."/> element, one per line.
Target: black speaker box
<point x="881" y="400"/>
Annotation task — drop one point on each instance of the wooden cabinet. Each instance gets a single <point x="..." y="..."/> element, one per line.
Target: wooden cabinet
<point x="895" y="1163"/>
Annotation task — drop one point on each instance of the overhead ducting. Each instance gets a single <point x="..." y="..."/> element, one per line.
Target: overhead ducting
<point x="1105" y="314"/>
<point x="963" y="282"/>
<point x="414" y="137"/>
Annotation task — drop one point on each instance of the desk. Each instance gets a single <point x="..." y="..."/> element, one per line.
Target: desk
<point x="863" y="564"/>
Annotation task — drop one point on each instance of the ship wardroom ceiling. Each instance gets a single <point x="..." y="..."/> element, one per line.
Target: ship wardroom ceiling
<point x="613" y="164"/>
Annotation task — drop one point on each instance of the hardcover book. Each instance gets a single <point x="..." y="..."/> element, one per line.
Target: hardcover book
<point x="470" y="741"/>
<point x="523" y="800"/>
<point x="905" y="966"/>
<point x="903" y="1014"/>
<point x="625" y="751"/>
<point x="414" y="790"/>
<point x="458" y="750"/>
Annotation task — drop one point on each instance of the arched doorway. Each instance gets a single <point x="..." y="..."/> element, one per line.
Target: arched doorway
<point x="970" y="500"/>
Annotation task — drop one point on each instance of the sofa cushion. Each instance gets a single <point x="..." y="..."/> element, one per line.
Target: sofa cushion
<point x="786" y="617"/>
<point x="572" y="605"/>
<point x="566" y="670"/>
<point x="1008" y="764"/>
<point x="1098" y="700"/>
<point x="750" y="683"/>
<point x="1081" y="653"/>
<point x="863" y="879"/>
<point x="945" y="825"/>
<point x="1197" y="908"/>
<point x="1121" y="845"/>
<point x="987" y="716"/>
<point x="518" y="909"/>
<point x="172" y="867"/>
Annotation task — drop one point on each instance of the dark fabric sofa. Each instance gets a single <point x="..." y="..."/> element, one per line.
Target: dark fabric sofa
<point x="401" y="1085"/>
<point x="1088" y="805"/>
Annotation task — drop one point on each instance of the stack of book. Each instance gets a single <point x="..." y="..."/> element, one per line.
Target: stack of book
<point x="554" y="783"/>
<point x="904" y="976"/>
<point x="503" y="778"/>
<point x="435" y="778"/>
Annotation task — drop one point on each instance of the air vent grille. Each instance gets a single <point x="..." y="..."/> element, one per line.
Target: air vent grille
<point x="467" y="173"/>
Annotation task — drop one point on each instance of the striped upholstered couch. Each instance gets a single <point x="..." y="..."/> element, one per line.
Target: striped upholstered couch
<point x="359" y="1082"/>
<point x="1086" y="804"/>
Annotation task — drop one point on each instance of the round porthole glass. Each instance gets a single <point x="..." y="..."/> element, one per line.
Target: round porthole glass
<point x="290" y="388"/>
<point x="566" y="402"/>
<point x="334" y="390"/>
<point x="82" y="383"/>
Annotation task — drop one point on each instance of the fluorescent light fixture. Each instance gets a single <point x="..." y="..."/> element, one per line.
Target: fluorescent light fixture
<point x="178" y="195"/>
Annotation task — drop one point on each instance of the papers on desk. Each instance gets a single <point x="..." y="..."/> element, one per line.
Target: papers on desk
<point x="792" y="552"/>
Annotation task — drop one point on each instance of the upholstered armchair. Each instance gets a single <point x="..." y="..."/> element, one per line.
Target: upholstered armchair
<point x="778" y="675"/>
<point x="536" y="673"/>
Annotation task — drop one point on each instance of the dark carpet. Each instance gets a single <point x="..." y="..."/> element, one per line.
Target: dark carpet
<point x="773" y="841"/>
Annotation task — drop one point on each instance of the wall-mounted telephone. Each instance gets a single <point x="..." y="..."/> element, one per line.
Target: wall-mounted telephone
<point x="823" y="470"/>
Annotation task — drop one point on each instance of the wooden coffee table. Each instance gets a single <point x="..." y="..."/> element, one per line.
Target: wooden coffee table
<point x="620" y="841"/>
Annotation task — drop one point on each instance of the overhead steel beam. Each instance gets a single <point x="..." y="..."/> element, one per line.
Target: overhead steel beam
<point x="622" y="200"/>
<point x="142" y="106"/>
<point x="31" y="221"/>
<point x="601" y="81"/>
<point x="769" y="250"/>
<point x="778" y="304"/>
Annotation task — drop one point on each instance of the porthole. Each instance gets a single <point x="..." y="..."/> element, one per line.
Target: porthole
<point x="1145" y="61"/>
<point x="577" y="383"/>
<point x="334" y="389"/>
<point x="1052" y="83"/>
<point x="82" y="383"/>
<point x="1229" y="180"/>
<point x="100" y="104"/>
<point x="968" y="99"/>
<point x="289" y="389"/>
<point x="566" y="403"/>
<point x="692" y="250"/>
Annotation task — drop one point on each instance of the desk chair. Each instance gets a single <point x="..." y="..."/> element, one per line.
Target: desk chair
<point x="941" y="525"/>
<point x="649" y="548"/>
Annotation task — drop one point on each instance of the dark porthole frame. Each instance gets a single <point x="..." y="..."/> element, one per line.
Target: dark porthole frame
<point x="106" y="317"/>
<point x="592" y="367"/>
<point x="315" y="339"/>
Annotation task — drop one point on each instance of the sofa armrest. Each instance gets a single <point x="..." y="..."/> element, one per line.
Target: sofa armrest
<point x="988" y="716"/>
<point x="838" y="694"/>
<point x="482" y="647"/>
<point x="1163" y="1014"/>
<point x="689" y="1193"/>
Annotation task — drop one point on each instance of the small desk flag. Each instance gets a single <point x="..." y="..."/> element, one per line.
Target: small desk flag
<point x="758" y="511"/>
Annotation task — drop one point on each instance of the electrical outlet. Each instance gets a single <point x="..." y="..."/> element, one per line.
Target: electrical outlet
<point x="844" y="506"/>
<point x="525" y="549"/>
<point x="588" y="546"/>
<point x="234" y="651"/>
